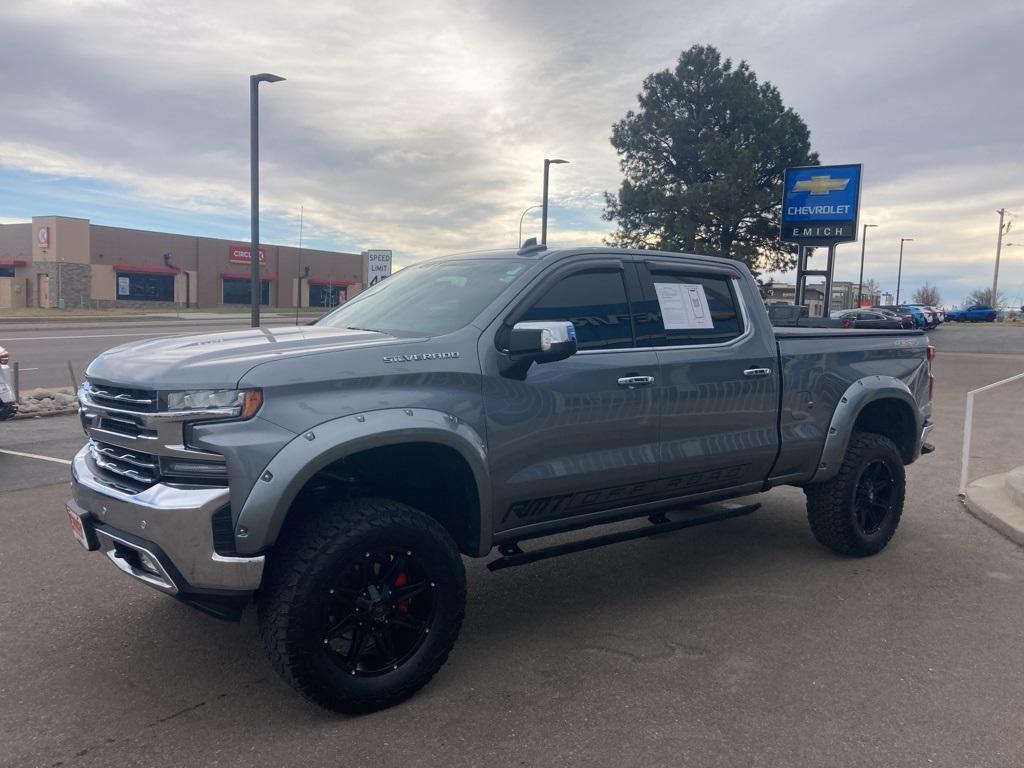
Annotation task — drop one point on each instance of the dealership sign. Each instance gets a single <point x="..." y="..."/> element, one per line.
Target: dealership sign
<point x="43" y="237"/>
<point x="378" y="266"/>
<point x="820" y="204"/>
<point x="242" y="254"/>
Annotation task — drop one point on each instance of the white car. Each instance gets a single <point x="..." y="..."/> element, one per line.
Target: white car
<point x="8" y="404"/>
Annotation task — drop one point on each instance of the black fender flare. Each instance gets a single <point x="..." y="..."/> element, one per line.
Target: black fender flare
<point x="264" y="510"/>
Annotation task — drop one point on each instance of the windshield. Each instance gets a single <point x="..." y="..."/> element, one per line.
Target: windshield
<point x="428" y="299"/>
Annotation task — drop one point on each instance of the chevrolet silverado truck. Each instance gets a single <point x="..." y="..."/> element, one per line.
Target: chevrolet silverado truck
<point x="334" y="474"/>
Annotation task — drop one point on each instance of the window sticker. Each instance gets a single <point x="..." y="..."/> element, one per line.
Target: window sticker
<point x="683" y="306"/>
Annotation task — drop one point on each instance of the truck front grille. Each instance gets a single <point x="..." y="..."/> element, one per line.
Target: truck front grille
<point x="127" y="469"/>
<point x="126" y="399"/>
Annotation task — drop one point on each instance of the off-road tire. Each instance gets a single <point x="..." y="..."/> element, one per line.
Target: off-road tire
<point x="831" y="505"/>
<point x="306" y="560"/>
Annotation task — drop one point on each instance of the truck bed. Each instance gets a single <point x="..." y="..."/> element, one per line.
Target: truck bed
<point x="799" y="332"/>
<point x="818" y="365"/>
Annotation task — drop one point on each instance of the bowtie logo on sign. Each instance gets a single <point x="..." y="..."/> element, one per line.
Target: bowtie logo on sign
<point x="820" y="185"/>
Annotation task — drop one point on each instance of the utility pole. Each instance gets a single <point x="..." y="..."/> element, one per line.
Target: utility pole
<point x="999" y="247"/>
<point x="256" y="287"/>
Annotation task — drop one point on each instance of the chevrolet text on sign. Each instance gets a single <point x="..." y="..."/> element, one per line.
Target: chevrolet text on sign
<point x="819" y="204"/>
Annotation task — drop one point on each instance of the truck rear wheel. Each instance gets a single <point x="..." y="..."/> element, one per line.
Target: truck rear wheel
<point x="856" y="512"/>
<point x="361" y="604"/>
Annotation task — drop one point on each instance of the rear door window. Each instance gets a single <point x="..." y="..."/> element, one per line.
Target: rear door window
<point x="684" y="309"/>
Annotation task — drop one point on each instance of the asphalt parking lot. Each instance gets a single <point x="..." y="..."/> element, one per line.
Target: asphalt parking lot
<point x="743" y="643"/>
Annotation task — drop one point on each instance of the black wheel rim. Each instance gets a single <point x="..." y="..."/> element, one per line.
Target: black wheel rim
<point x="378" y="612"/>
<point x="874" y="497"/>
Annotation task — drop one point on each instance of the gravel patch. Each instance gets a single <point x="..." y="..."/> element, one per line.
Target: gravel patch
<point x="44" y="401"/>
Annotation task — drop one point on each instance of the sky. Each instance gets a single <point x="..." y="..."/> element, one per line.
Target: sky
<point x="422" y="126"/>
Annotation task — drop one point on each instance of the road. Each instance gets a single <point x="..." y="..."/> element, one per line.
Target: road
<point x="43" y="349"/>
<point x="742" y="643"/>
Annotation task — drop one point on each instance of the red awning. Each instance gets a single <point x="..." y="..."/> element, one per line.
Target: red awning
<point x="12" y="262"/>
<point x="145" y="269"/>
<point x="326" y="281"/>
<point x="245" y="276"/>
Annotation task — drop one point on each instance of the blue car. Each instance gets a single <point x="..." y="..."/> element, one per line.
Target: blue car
<point x="976" y="313"/>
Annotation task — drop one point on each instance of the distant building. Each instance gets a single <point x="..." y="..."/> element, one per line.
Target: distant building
<point x="844" y="295"/>
<point x="56" y="261"/>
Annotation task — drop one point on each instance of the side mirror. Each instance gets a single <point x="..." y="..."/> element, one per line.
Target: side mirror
<point x="541" y="341"/>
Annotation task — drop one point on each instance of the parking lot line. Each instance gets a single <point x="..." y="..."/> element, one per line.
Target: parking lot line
<point x="36" y="456"/>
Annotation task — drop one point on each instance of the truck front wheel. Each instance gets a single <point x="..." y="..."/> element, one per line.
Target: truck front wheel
<point x="362" y="602"/>
<point x="857" y="511"/>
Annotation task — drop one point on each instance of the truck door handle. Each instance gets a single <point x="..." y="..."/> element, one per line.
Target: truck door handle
<point x="757" y="372"/>
<point x="636" y="381"/>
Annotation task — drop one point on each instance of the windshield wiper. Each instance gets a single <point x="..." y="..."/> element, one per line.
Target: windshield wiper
<point x="357" y="328"/>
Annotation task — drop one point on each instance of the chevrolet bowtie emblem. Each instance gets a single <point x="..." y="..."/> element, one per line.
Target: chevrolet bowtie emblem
<point x="820" y="185"/>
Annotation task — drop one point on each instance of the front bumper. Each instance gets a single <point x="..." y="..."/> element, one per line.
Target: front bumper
<point x="171" y="525"/>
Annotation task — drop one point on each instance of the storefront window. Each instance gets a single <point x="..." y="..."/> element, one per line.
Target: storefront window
<point x="6" y="271"/>
<point x="238" y="291"/>
<point x="140" y="287"/>
<point x="327" y="296"/>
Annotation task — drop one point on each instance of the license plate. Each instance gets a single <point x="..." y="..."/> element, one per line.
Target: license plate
<point x="78" y="528"/>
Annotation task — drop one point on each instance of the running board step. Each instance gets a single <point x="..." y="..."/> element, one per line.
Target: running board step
<point x="512" y="555"/>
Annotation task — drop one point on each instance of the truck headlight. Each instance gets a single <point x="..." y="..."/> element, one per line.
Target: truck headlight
<point x="242" y="402"/>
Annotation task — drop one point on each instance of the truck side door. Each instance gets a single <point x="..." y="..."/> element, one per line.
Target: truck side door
<point x="579" y="435"/>
<point x="719" y="381"/>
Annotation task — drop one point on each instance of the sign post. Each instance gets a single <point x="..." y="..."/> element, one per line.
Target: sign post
<point x="820" y="206"/>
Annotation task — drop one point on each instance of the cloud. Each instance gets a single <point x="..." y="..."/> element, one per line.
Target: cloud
<point x="423" y="126"/>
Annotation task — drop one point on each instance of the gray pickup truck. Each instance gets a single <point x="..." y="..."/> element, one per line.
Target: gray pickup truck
<point x="335" y="473"/>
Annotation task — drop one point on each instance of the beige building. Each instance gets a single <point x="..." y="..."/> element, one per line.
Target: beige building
<point x="844" y="295"/>
<point x="58" y="261"/>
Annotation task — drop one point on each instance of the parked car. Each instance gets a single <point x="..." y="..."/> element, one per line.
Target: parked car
<point x="336" y="474"/>
<point x="866" y="318"/>
<point x="976" y="313"/>
<point x="911" y="318"/>
<point x="931" y="314"/>
<point x="8" y="403"/>
<point x="906" y="320"/>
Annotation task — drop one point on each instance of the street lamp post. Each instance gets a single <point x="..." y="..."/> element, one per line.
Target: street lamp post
<point x="863" y="243"/>
<point x="544" y="205"/>
<point x="521" y="223"/>
<point x="899" y="273"/>
<point x="254" y="187"/>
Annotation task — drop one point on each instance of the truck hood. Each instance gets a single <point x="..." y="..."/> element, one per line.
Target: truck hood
<point x="219" y="360"/>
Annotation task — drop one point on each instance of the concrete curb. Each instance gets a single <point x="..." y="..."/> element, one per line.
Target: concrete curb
<point x="44" y="414"/>
<point x="993" y="499"/>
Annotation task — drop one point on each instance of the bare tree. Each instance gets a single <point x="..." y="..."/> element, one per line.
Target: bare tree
<point x="983" y="296"/>
<point x="928" y="295"/>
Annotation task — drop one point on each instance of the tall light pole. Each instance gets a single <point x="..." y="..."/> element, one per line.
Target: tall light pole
<point x="521" y="223"/>
<point x="863" y="243"/>
<point x="254" y="187"/>
<point x="899" y="274"/>
<point x="544" y="205"/>
<point x="1003" y="229"/>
